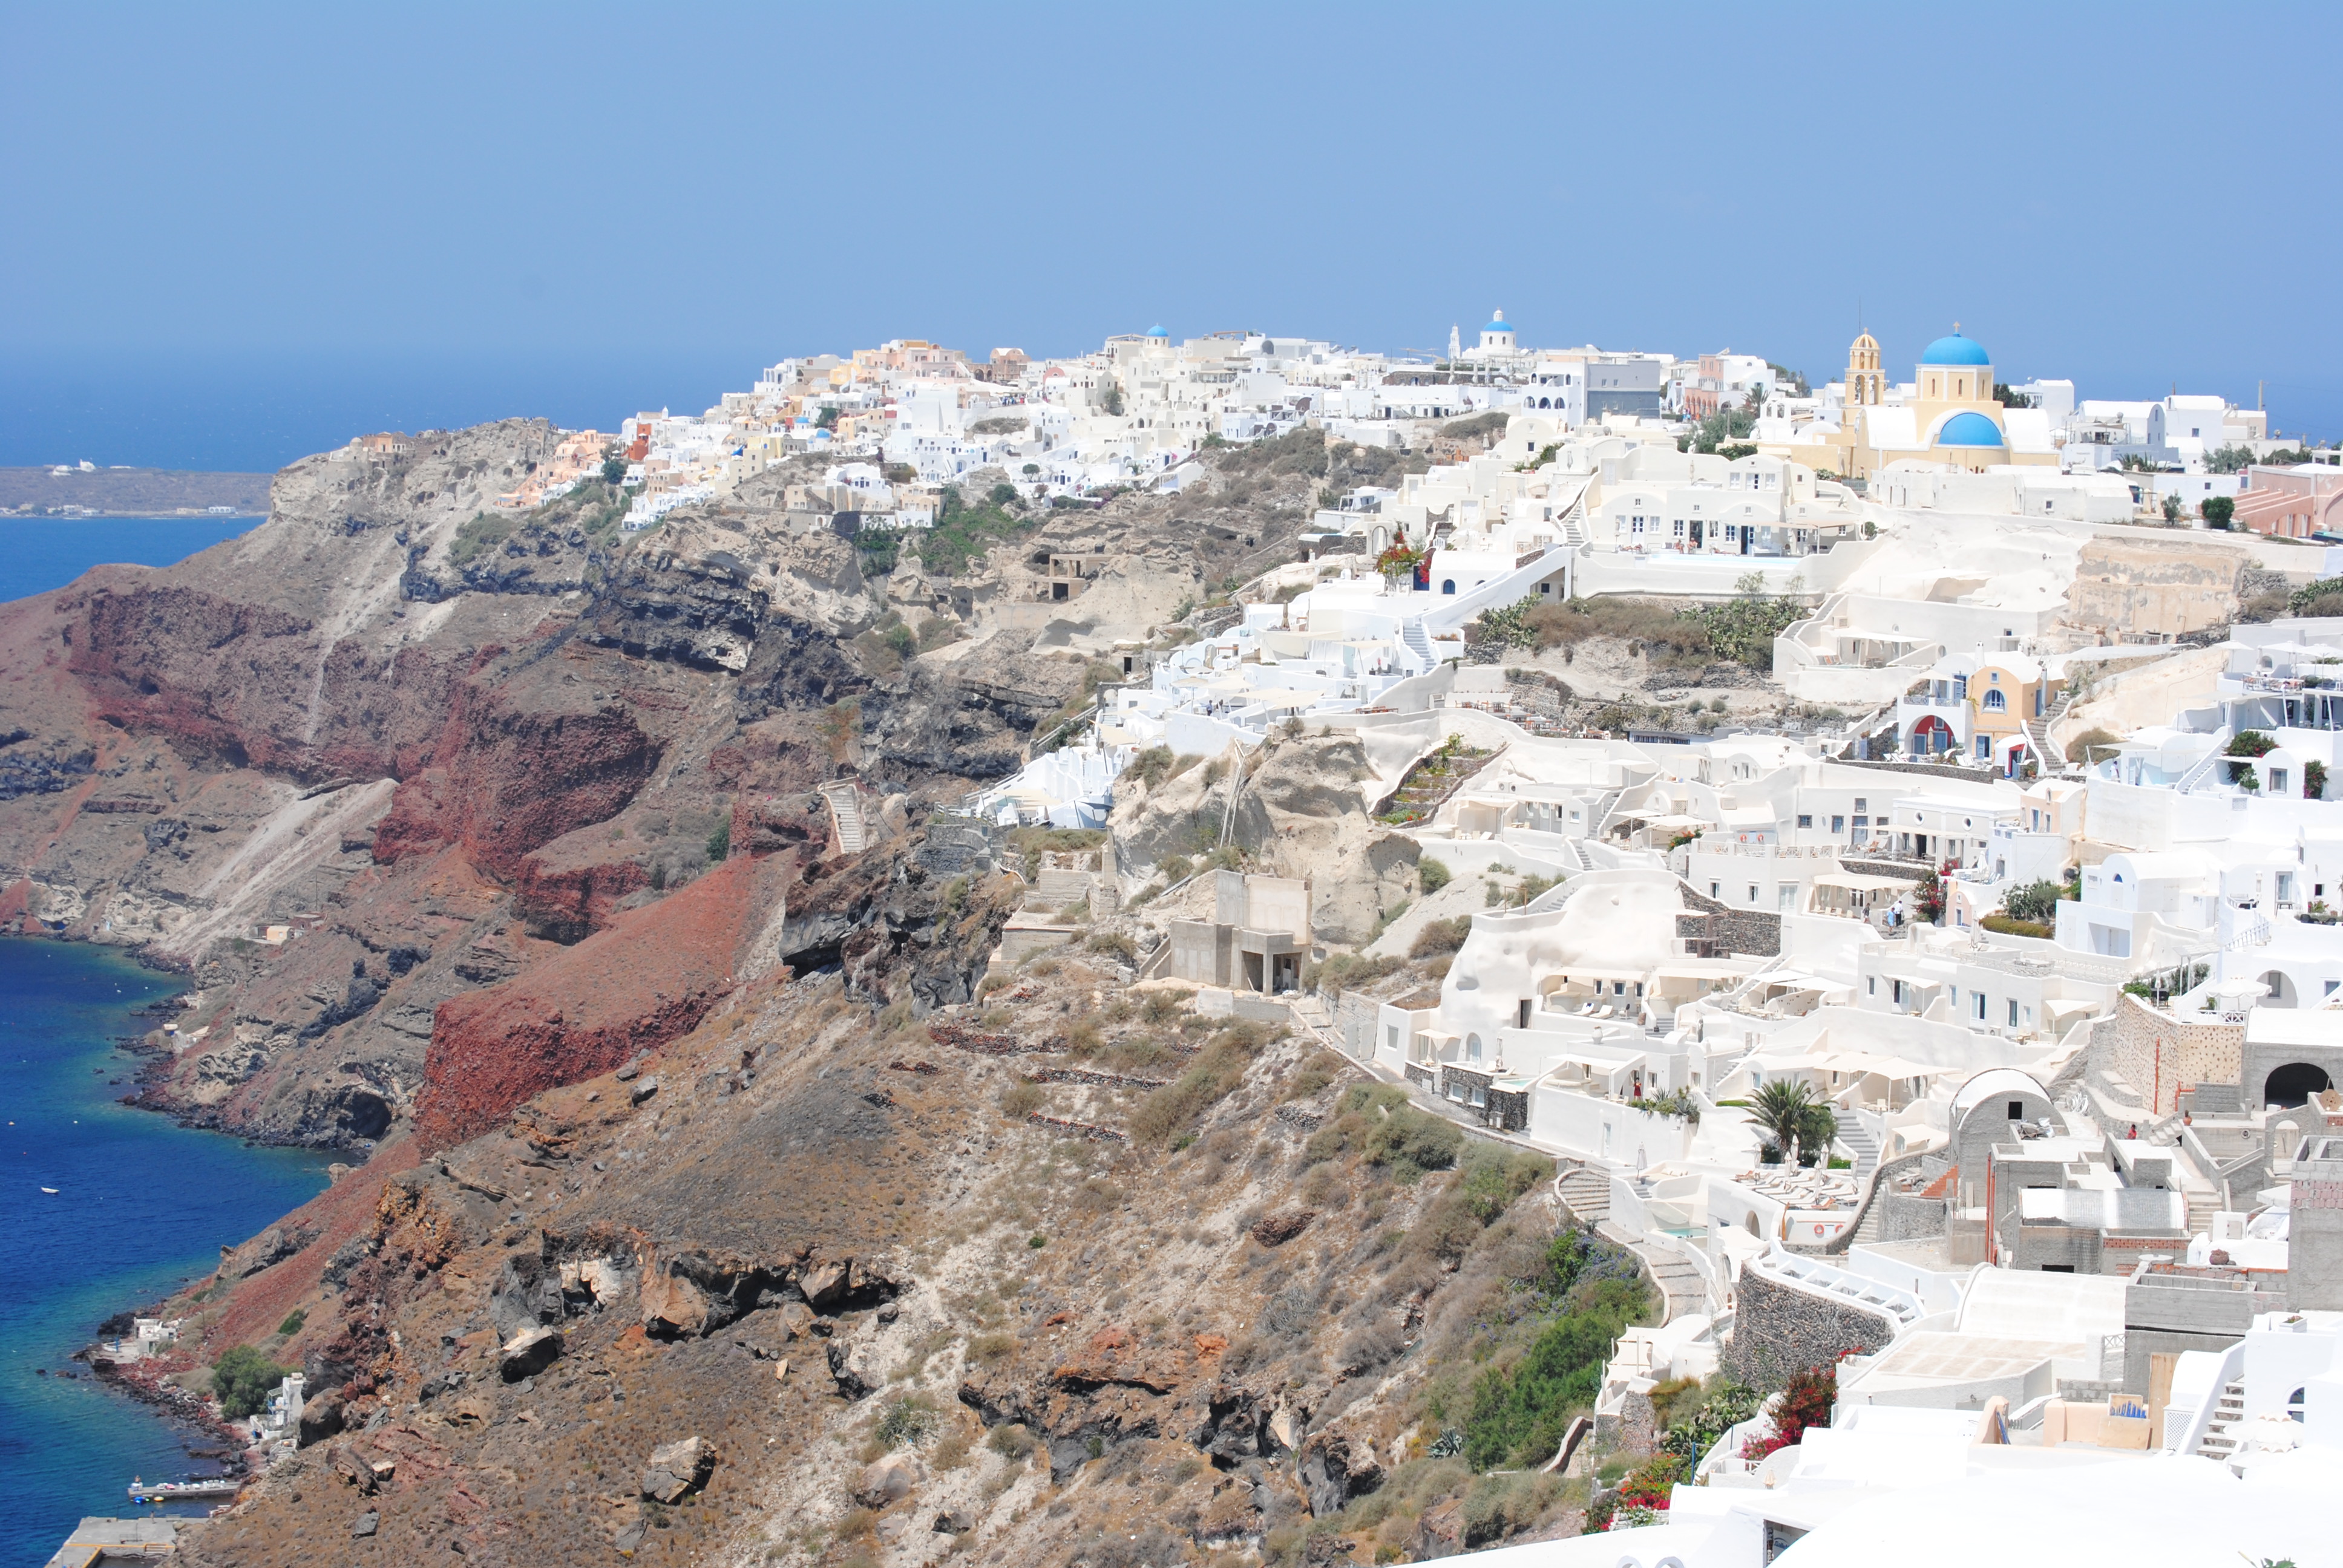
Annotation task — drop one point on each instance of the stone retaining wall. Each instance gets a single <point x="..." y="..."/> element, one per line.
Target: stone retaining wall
<point x="1777" y="1330"/>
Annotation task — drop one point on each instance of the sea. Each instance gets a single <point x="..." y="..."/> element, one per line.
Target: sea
<point x="37" y="554"/>
<point x="140" y="1204"/>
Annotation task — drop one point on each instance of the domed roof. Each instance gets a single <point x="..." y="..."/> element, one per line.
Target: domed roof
<point x="1969" y="430"/>
<point x="1497" y="323"/>
<point x="1995" y="1082"/>
<point x="1157" y="332"/>
<point x="1956" y="350"/>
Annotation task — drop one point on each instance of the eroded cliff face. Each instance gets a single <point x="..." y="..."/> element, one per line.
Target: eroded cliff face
<point x="708" y="1216"/>
<point x="366" y="770"/>
<point x="899" y="1291"/>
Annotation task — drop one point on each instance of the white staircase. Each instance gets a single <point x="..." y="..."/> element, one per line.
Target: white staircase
<point x="1574" y="523"/>
<point x="2228" y="1410"/>
<point x="1860" y="1144"/>
<point x="1418" y="641"/>
<point x="846" y="812"/>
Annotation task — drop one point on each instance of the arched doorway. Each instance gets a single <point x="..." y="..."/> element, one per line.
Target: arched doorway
<point x="2294" y="1083"/>
<point x="2284" y="1139"/>
<point x="2281" y="990"/>
<point x="1932" y="734"/>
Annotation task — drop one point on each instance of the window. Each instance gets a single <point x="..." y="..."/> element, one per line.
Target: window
<point x="1838" y="824"/>
<point x="1861" y="805"/>
<point x="1753" y="892"/>
<point x="2017" y="1111"/>
<point x="1995" y="702"/>
<point x="1716" y="890"/>
<point x="2012" y="1012"/>
<point x="1806" y="820"/>
<point x="1978" y="999"/>
<point x="1871" y="985"/>
<point x="2277" y="787"/>
<point x="1785" y="896"/>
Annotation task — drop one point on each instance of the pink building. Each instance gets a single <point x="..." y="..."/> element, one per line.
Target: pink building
<point x="2292" y="503"/>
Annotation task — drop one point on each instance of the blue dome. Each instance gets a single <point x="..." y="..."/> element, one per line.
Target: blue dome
<point x="1956" y="350"/>
<point x="1498" y="324"/>
<point x="1969" y="430"/>
<point x="1157" y="332"/>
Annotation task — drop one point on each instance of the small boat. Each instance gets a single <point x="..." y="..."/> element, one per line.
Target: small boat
<point x="49" y="1189"/>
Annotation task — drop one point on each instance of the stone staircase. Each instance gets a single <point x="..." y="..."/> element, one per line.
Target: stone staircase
<point x="1860" y="1144"/>
<point x="2228" y="1409"/>
<point x="2038" y="734"/>
<point x="1679" y="1281"/>
<point x="1586" y="1193"/>
<point x="2203" y="1204"/>
<point x="846" y="811"/>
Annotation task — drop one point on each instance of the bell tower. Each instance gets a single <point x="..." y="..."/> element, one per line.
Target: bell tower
<point x="1864" y="384"/>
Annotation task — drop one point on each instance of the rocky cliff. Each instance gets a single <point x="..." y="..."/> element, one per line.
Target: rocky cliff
<point x="707" y="1213"/>
<point x="365" y="770"/>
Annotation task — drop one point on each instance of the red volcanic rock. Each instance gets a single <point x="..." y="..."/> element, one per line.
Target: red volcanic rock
<point x="207" y="672"/>
<point x="651" y="976"/>
<point x="508" y="783"/>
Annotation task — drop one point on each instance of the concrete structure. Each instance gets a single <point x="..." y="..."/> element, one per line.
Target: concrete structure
<point x="1257" y="941"/>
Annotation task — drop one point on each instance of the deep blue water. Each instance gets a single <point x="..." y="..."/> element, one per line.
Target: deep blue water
<point x="141" y="1205"/>
<point x="37" y="554"/>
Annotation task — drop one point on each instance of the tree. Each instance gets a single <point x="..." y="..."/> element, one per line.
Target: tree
<point x="2171" y="508"/>
<point x="1003" y="493"/>
<point x="2036" y="901"/>
<point x="242" y="1380"/>
<point x="2230" y="459"/>
<point x="2008" y="399"/>
<point x="2216" y="511"/>
<point x="2250" y="743"/>
<point x="827" y="418"/>
<point x="1783" y="1109"/>
<point x="2314" y="779"/>
<point x="1111" y="395"/>
<point x="1029" y="469"/>
<point x="614" y="468"/>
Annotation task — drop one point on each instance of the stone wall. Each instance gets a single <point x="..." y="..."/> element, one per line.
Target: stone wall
<point x="1778" y="1332"/>
<point x="1714" y="930"/>
<point x="1908" y="1217"/>
<point x="2160" y="1054"/>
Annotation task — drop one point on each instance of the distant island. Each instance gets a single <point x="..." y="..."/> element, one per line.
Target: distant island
<point x="129" y="492"/>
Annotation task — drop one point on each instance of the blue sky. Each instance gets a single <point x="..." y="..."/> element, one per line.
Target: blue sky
<point x="241" y="233"/>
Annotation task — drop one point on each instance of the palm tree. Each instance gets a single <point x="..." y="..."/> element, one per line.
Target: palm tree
<point x="1785" y="1110"/>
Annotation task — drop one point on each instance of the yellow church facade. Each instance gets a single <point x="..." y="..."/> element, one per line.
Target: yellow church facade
<point x="1950" y="416"/>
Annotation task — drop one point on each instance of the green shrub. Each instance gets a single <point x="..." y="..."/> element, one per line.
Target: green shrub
<point x="1438" y="937"/>
<point x="719" y="842"/>
<point x="1432" y="875"/>
<point x="2036" y="902"/>
<point x="292" y="1324"/>
<point x="1219" y="1068"/>
<point x="1520" y="1413"/>
<point x="242" y="1380"/>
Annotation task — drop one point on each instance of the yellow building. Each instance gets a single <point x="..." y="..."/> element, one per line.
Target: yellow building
<point x="1950" y="416"/>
